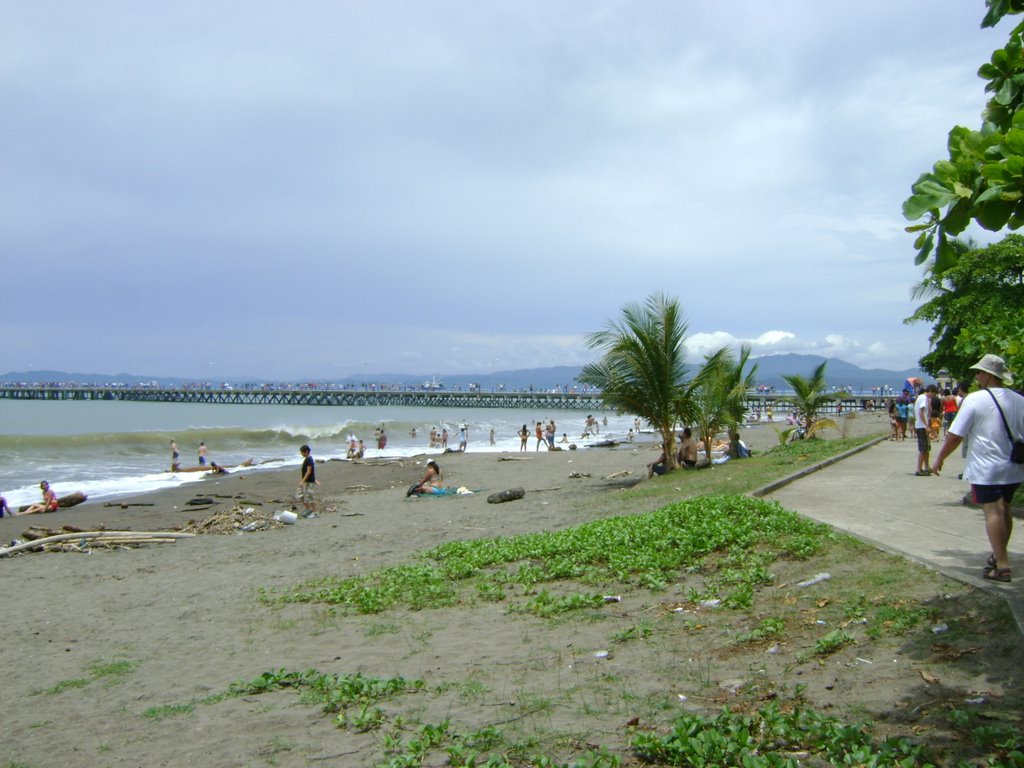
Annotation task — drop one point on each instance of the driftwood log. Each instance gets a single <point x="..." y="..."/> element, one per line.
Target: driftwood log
<point x="134" y="536"/>
<point x="63" y="502"/>
<point x="509" y="495"/>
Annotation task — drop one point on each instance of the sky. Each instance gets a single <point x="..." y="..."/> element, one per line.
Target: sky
<point x="322" y="189"/>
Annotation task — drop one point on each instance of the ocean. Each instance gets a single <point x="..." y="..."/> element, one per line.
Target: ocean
<point x="109" y="450"/>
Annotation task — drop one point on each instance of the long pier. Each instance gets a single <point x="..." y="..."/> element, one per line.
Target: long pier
<point x="571" y="401"/>
<point x="311" y="396"/>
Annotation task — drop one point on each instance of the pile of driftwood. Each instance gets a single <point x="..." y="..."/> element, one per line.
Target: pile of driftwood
<point x="237" y="520"/>
<point x="72" y="539"/>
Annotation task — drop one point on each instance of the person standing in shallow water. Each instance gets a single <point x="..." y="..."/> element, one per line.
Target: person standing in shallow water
<point x="308" y="483"/>
<point x="202" y="454"/>
<point x="175" y="456"/>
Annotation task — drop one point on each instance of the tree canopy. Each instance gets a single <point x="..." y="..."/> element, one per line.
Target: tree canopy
<point x="809" y="397"/>
<point x="717" y="397"/>
<point x="975" y="307"/>
<point x="983" y="178"/>
<point x="643" y="370"/>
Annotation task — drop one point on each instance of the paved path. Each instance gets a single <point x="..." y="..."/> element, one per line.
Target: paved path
<point x="875" y="495"/>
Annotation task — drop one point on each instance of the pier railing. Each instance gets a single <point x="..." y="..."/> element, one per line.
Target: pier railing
<point x="311" y="396"/>
<point x="553" y="400"/>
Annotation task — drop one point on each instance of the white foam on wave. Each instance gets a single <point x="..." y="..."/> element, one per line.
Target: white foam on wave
<point x="98" y="490"/>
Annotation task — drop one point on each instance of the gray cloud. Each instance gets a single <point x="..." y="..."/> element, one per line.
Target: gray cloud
<point x="254" y="189"/>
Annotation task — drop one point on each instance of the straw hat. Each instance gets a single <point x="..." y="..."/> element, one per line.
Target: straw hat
<point x="996" y="366"/>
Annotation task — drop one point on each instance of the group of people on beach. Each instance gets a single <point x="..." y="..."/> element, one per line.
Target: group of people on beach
<point x="546" y="434"/>
<point x="688" y="455"/>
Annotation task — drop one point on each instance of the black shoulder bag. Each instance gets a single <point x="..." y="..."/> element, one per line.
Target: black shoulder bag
<point x="1017" y="445"/>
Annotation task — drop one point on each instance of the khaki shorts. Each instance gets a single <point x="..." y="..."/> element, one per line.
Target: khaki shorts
<point x="307" y="493"/>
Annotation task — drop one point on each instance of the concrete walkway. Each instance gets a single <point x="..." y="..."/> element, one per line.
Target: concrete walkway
<point x="875" y="495"/>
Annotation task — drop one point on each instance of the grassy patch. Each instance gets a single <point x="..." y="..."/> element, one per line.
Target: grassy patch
<point x="647" y="550"/>
<point x="111" y="672"/>
<point x="168" y="710"/>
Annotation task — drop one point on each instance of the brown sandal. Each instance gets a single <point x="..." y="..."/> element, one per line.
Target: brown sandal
<point x="997" y="574"/>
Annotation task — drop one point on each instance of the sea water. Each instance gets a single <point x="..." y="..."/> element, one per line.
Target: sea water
<point x="109" y="449"/>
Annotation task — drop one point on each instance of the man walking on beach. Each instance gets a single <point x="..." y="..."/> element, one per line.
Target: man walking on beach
<point x="922" y="421"/>
<point x="307" y="486"/>
<point x="994" y="478"/>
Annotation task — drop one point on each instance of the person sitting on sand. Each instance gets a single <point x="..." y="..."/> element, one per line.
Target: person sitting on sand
<point x="217" y="469"/>
<point x="49" y="503"/>
<point x="4" y="509"/>
<point x="431" y="482"/>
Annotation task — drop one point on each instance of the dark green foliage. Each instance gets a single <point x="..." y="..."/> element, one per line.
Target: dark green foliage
<point x="975" y="307"/>
<point x="771" y="737"/>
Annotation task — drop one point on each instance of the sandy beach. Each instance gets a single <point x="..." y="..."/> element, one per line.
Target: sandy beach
<point x="187" y="620"/>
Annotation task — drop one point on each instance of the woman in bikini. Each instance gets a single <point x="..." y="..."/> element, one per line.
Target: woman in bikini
<point x="432" y="481"/>
<point x="49" y="503"/>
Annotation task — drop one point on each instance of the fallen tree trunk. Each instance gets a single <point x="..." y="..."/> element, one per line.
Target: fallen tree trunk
<point x="502" y="496"/>
<point x="71" y="500"/>
<point x="63" y="502"/>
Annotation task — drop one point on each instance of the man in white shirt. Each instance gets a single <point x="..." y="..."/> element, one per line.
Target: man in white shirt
<point x="922" y="420"/>
<point x="993" y="477"/>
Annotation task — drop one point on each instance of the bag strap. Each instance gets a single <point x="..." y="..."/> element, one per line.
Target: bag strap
<point x="1009" y="434"/>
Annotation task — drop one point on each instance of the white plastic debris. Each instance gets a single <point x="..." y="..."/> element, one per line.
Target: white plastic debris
<point x="816" y="579"/>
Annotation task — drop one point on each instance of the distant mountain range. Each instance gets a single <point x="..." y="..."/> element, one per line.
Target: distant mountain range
<point x="770" y="370"/>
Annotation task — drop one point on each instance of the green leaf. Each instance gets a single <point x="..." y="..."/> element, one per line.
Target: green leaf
<point x="916" y="206"/>
<point x="941" y="194"/>
<point x="988" y="72"/>
<point x="1014" y="141"/>
<point x="993" y="214"/>
<point x="924" y="250"/>
<point x="945" y="256"/>
<point x="1007" y="92"/>
<point x="957" y="217"/>
<point x="919" y="227"/>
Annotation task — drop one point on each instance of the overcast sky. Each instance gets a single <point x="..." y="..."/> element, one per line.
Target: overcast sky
<point x="319" y="189"/>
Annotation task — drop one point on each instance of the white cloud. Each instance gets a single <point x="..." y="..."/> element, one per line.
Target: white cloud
<point x="428" y="187"/>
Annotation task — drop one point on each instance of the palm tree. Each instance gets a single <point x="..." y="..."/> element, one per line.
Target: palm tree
<point x="809" y="398"/>
<point x="718" y="395"/>
<point x="643" y="369"/>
